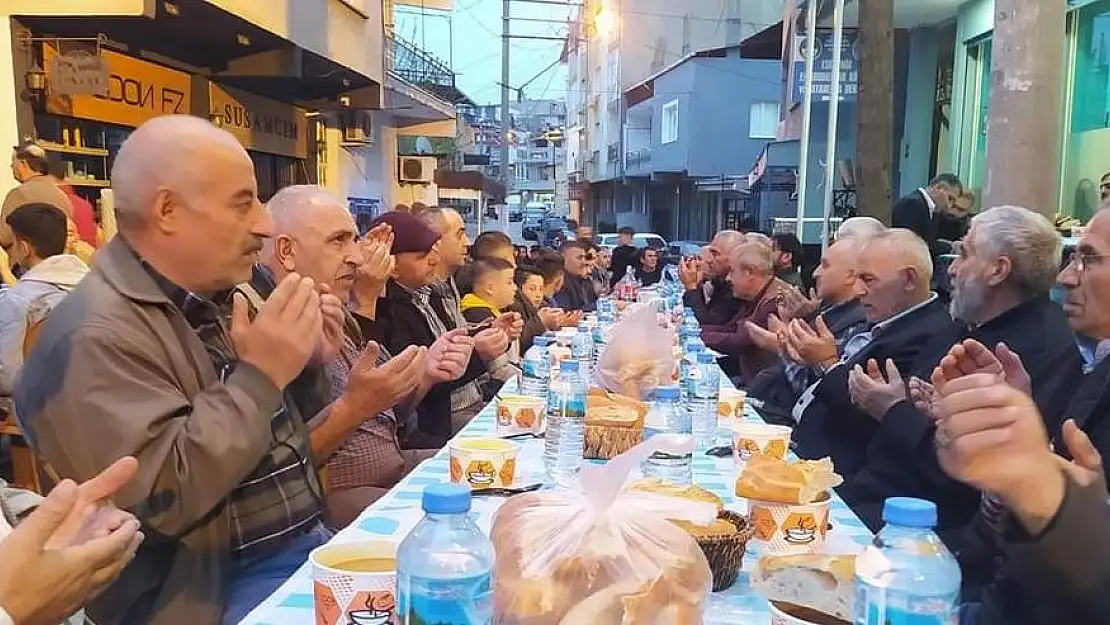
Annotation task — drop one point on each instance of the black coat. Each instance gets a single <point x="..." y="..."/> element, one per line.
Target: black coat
<point x="624" y="256"/>
<point x="721" y="308"/>
<point x="901" y="459"/>
<point x="771" y="386"/>
<point x="649" y="278"/>
<point x="577" y="294"/>
<point x="832" y="425"/>
<point x="399" y="324"/>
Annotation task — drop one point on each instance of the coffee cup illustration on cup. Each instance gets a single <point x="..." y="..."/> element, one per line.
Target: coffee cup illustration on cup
<point x="380" y="608"/>
<point x="800" y="529"/>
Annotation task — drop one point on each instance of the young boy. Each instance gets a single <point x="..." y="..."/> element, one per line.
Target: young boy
<point x="492" y="290"/>
<point x="531" y="284"/>
<point x="550" y="266"/>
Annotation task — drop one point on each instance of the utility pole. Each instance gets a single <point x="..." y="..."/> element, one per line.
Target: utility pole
<point x="506" y="118"/>
<point x="1023" y="123"/>
<point x="876" y="107"/>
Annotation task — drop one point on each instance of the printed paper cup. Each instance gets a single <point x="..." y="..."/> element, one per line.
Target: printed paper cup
<point x="518" y="414"/>
<point x="788" y="529"/>
<point x="355" y="583"/>
<point x="750" y="438"/>
<point x="483" y="463"/>
<point x="730" y="404"/>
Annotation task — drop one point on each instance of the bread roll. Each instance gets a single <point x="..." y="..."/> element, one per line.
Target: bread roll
<point x="820" y="582"/>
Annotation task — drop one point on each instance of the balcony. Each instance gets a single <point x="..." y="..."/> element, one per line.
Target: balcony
<point x="415" y="66"/>
<point x="637" y="161"/>
<point x="613" y="153"/>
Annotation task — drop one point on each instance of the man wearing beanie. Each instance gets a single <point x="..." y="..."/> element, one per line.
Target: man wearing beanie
<point x="410" y="314"/>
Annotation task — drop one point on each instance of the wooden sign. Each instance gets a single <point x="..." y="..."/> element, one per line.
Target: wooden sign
<point x="261" y="124"/>
<point x="137" y="91"/>
<point x="78" y="73"/>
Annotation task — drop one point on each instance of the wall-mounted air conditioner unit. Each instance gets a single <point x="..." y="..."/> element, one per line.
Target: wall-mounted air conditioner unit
<point x="416" y="169"/>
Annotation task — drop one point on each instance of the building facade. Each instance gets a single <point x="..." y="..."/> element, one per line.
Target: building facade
<point x="606" y="55"/>
<point x="537" y="158"/>
<point x="318" y="91"/>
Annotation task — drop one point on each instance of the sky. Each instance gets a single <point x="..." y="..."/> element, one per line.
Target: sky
<point x="476" y="53"/>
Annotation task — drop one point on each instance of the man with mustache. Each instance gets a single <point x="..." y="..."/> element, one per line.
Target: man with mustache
<point x="156" y="355"/>
<point x="1001" y="279"/>
<point x="315" y="236"/>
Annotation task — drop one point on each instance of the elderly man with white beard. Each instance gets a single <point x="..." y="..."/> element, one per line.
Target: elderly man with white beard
<point x="1001" y="282"/>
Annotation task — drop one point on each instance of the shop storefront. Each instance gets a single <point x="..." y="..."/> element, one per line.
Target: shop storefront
<point x="1085" y="94"/>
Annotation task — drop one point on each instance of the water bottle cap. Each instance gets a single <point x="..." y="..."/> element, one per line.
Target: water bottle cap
<point x="706" y="358"/>
<point x="444" y="498"/>
<point x="583" y="325"/>
<point x="568" y="366"/>
<point x="910" y="512"/>
<point x="694" y="346"/>
<point x="689" y="312"/>
<point x="667" y="392"/>
<point x="543" y="341"/>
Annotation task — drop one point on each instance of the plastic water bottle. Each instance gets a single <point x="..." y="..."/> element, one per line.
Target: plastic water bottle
<point x="582" y="350"/>
<point x="702" y="390"/>
<point x="445" y="564"/>
<point x="667" y="416"/>
<point x="690" y="350"/>
<point x="690" y="320"/>
<point x="565" y="440"/>
<point x="628" y="288"/>
<point x="907" y="576"/>
<point x="536" y="369"/>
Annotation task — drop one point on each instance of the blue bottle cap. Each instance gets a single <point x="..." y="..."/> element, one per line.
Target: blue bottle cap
<point x="910" y="512"/>
<point x="444" y="498"/>
<point x="693" y="346"/>
<point x="568" y="366"/>
<point x="542" y="341"/>
<point x="689" y="312"/>
<point x="667" y="392"/>
<point x="705" y="358"/>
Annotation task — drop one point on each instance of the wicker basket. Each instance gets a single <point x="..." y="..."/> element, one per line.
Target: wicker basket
<point x="726" y="553"/>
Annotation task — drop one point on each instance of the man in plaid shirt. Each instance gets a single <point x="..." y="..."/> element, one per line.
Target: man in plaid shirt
<point x="314" y="235"/>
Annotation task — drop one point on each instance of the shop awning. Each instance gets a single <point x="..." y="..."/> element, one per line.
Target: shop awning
<point x="473" y="180"/>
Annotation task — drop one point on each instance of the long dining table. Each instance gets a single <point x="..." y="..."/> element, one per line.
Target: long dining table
<point x="394" y="515"/>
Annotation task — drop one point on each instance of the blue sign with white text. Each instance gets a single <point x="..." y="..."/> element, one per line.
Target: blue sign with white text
<point x="822" y="66"/>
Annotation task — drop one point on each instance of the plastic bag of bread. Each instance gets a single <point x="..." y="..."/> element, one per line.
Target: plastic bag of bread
<point x="601" y="555"/>
<point x="638" y="357"/>
<point x="766" y="478"/>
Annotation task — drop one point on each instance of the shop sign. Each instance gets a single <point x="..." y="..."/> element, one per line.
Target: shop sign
<point x="822" y="66"/>
<point x="260" y="124"/>
<point x="137" y="91"/>
<point x="78" y="73"/>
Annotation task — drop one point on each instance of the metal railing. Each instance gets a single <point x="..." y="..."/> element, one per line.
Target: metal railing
<point x="416" y="66"/>
<point x="637" y="159"/>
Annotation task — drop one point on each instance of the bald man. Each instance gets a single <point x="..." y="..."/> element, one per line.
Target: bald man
<point x="707" y="289"/>
<point x="155" y="355"/>
<point x="893" y="274"/>
<point x="314" y="235"/>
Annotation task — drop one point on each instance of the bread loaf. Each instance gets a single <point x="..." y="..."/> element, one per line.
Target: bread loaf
<point x="820" y="582"/>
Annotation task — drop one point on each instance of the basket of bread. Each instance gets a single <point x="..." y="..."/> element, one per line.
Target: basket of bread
<point x="724" y="541"/>
<point x="614" y="424"/>
<point x="809" y="589"/>
<point x="602" y="555"/>
<point x="788" y="502"/>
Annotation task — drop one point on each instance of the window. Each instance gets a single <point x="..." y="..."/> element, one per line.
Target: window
<point x="668" y="133"/>
<point x="763" y="120"/>
<point x="521" y="172"/>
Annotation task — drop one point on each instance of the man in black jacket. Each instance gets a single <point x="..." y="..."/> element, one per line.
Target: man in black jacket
<point x="708" y="292"/>
<point x="410" y="314"/>
<point x="893" y="274"/>
<point x="625" y="255"/>
<point x="578" y="291"/>
<point x="1001" y="281"/>
<point x="919" y="210"/>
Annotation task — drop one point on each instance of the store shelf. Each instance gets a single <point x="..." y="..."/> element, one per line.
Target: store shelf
<point x="87" y="183"/>
<point x="74" y="149"/>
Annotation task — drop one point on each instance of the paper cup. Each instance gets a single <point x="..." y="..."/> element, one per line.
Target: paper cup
<point x="355" y="583"/>
<point x="483" y="463"/>
<point x="788" y="529"/>
<point x="518" y="414"/>
<point x="759" y="438"/>
<point x="730" y="404"/>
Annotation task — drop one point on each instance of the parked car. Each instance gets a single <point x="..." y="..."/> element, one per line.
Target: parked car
<point x="516" y="213"/>
<point x="640" y="240"/>
<point x="677" y="250"/>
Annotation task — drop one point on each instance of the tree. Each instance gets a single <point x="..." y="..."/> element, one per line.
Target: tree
<point x="875" y="147"/>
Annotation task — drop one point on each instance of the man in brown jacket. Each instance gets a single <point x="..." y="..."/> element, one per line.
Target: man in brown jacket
<point x="152" y="356"/>
<point x="752" y="278"/>
<point x="31" y="167"/>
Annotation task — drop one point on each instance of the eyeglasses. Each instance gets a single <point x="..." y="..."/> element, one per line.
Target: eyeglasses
<point x="1082" y="261"/>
